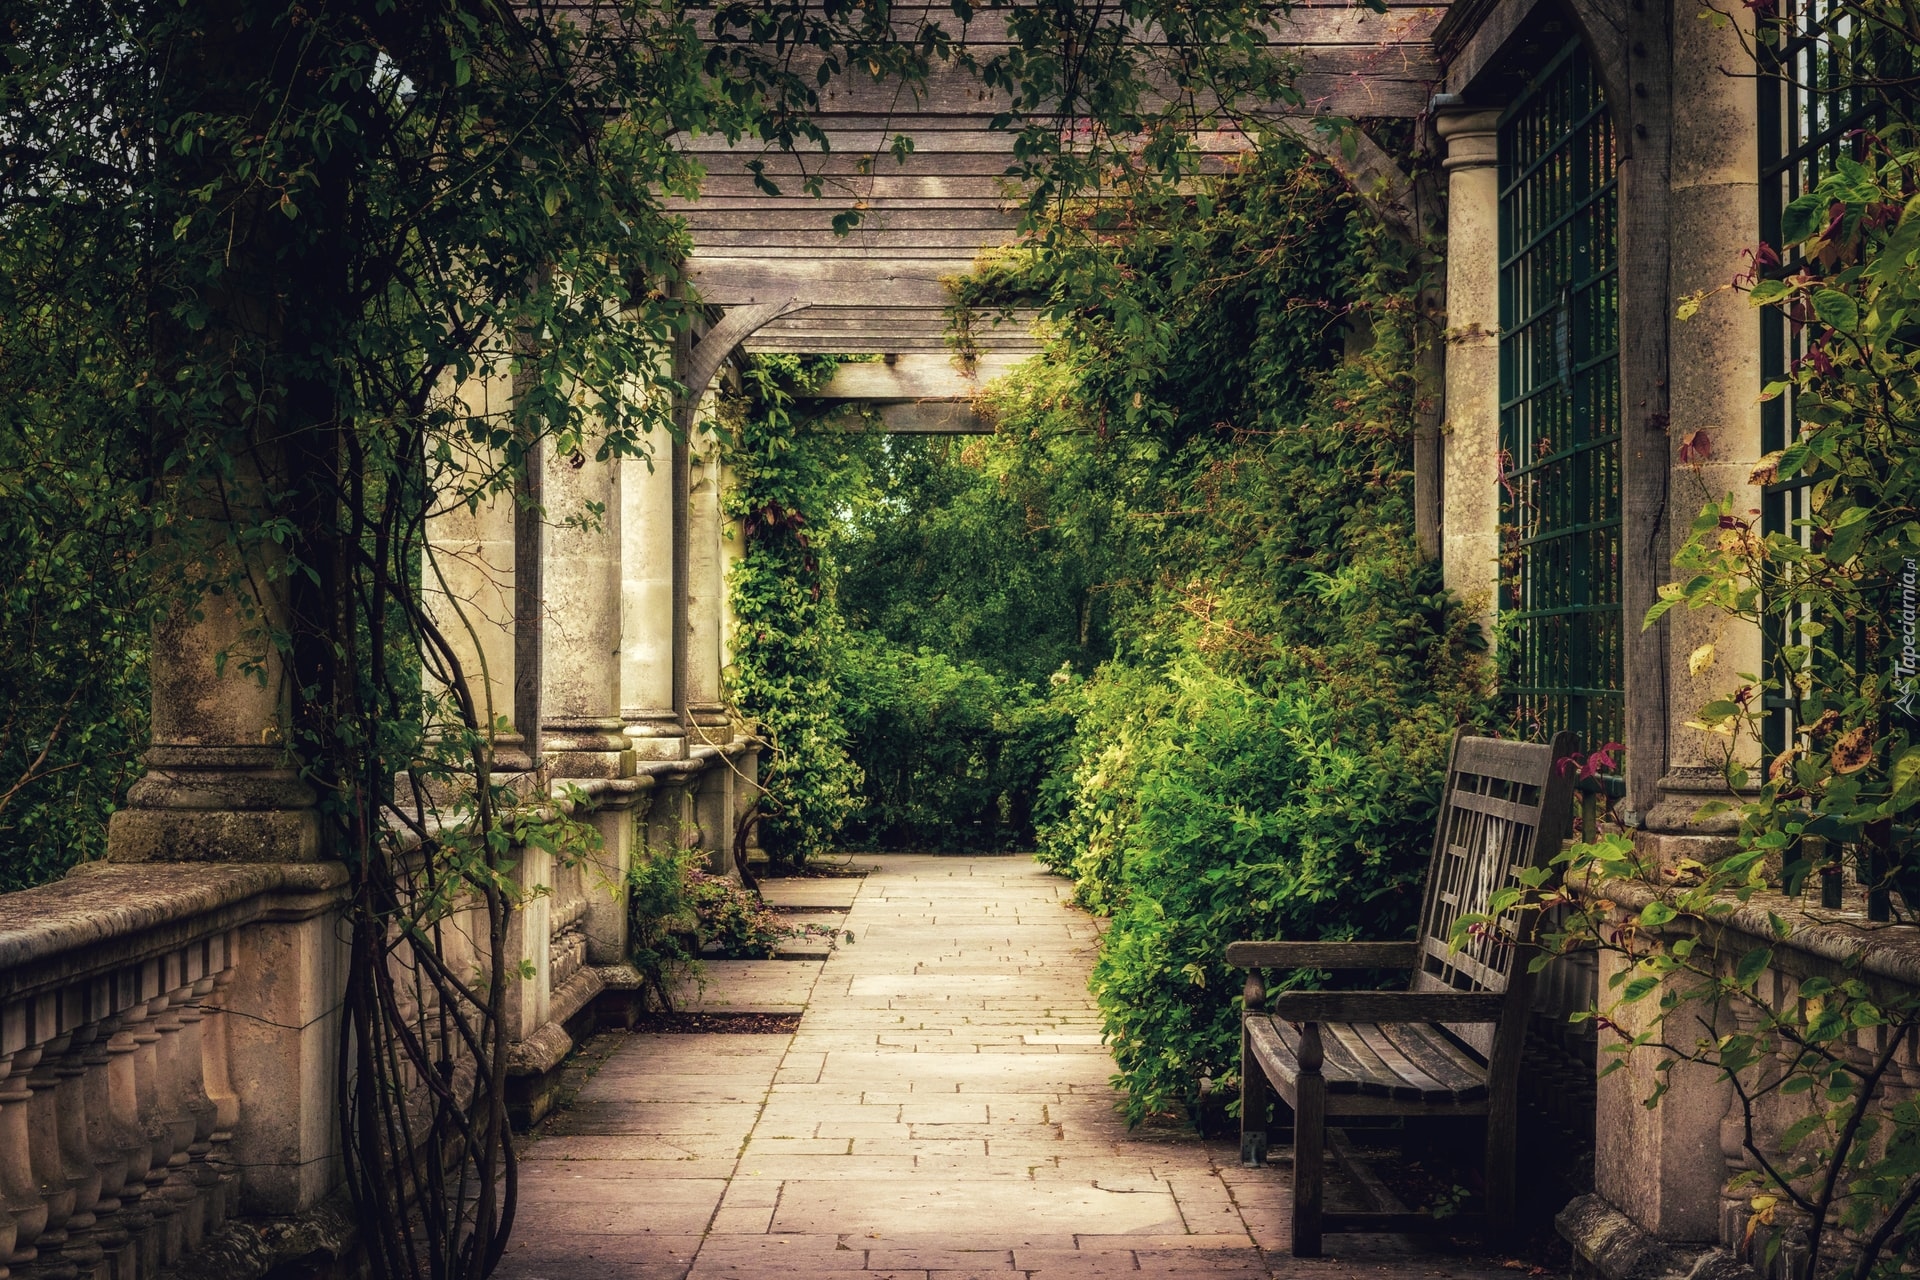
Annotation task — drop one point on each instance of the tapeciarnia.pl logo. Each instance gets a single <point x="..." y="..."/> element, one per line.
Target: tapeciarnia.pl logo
<point x="1906" y="663"/>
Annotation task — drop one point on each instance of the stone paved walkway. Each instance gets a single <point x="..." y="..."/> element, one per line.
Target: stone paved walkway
<point x="943" y="1111"/>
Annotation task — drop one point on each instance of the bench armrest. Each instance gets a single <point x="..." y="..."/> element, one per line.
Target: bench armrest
<point x="1323" y="955"/>
<point x="1386" y="1006"/>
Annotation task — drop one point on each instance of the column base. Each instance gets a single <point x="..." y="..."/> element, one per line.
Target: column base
<point x="712" y="726"/>
<point x="587" y="749"/>
<point x="1608" y="1245"/>
<point x="655" y="735"/>
<point x="216" y="804"/>
<point x="1682" y="792"/>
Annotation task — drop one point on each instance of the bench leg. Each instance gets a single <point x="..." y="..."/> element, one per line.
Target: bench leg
<point x="1256" y="1097"/>
<point x="1309" y="1146"/>
<point x="1502" y="1124"/>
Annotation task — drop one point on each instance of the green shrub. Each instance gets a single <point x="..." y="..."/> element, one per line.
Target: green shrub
<point x="663" y="931"/>
<point x="1262" y="755"/>
<point x="678" y="912"/>
<point x="952" y="753"/>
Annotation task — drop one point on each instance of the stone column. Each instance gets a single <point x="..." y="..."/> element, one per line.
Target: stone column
<point x="581" y="726"/>
<point x="1470" y="436"/>
<point x="705" y="587"/>
<point x="646" y="604"/>
<point x="1714" y="208"/>
<point x="219" y="785"/>
<point x="467" y="581"/>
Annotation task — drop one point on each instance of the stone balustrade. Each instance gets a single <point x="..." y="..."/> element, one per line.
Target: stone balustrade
<point x="1672" y="1181"/>
<point x="169" y="1035"/>
<point x="159" y="1065"/>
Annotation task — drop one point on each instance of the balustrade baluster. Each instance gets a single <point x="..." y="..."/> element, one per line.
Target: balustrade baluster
<point x="9" y="1228"/>
<point x="59" y="1181"/>
<point x="134" y="1091"/>
<point x="112" y="1142"/>
<point x="1734" y="1200"/>
<point x="19" y="1192"/>
<point x="170" y="1117"/>
<point x="226" y="1101"/>
<point x="81" y="1255"/>
<point x="190" y="1182"/>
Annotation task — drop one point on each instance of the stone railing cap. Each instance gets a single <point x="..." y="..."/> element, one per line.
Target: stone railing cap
<point x="1841" y="937"/>
<point x="104" y="902"/>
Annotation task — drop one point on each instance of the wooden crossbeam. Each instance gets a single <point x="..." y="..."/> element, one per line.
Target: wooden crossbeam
<point x="878" y="288"/>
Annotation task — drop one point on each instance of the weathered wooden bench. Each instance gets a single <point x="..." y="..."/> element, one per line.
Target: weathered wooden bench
<point x="1450" y="1044"/>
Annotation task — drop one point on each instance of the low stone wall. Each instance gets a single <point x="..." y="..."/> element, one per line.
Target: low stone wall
<point x="170" y="1037"/>
<point x="1664" y="1198"/>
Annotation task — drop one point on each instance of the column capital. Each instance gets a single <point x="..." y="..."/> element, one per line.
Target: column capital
<point x="1472" y="135"/>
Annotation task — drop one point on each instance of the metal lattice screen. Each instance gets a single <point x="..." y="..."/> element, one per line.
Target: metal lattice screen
<point x="1560" y="601"/>
<point x="1812" y="112"/>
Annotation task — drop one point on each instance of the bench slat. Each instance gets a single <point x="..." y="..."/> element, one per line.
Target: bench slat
<point x="1412" y="1063"/>
<point x="1440" y="1058"/>
<point x="1378" y="1075"/>
<point x="1419" y="1084"/>
<point x="1524" y="814"/>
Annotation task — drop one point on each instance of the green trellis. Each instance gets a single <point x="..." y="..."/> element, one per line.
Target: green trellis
<point x="1560" y="600"/>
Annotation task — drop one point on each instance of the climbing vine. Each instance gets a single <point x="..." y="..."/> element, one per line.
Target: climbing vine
<point x="788" y="469"/>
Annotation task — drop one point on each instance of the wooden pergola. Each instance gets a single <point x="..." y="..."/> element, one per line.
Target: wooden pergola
<point x="879" y="289"/>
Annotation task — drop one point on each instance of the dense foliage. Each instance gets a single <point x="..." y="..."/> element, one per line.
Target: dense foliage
<point x="786" y="471"/>
<point x="1170" y="619"/>
<point x="1262" y="756"/>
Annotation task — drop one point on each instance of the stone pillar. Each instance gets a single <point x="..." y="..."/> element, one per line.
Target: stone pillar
<point x="1470" y="436"/>
<point x="529" y="931"/>
<point x="219" y="785"/>
<point x="467" y="582"/>
<point x="668" y="821"/>
<point x="1662" y="1166"/>
<point x="746" y="792"/>
<point x="605" y="873"/>
<point x="715" y="813"/>
<point x="1715" y="381"/>
<point x="705" y="587"/>
<point x="581" y="726"/>
<point x="282" y="1031"/>
<point x="646" y="604"/>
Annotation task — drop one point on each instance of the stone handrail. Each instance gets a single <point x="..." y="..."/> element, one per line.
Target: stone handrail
<point x="170" y="1032"/>
<point x="139" y="1008"/>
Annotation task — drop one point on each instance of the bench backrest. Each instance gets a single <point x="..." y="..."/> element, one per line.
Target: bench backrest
<point x="1506" y="806"/>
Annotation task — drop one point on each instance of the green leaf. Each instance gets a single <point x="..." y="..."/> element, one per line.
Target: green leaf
<point x="1803" y="217"/>
<point x="1639" y="988"/>
<point x="1836" y="310"/>
<point x="1752" y="965"/>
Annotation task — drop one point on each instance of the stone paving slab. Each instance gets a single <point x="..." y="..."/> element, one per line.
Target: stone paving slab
<point x="943" y="1111"/>
<point x="748" y="986"/>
